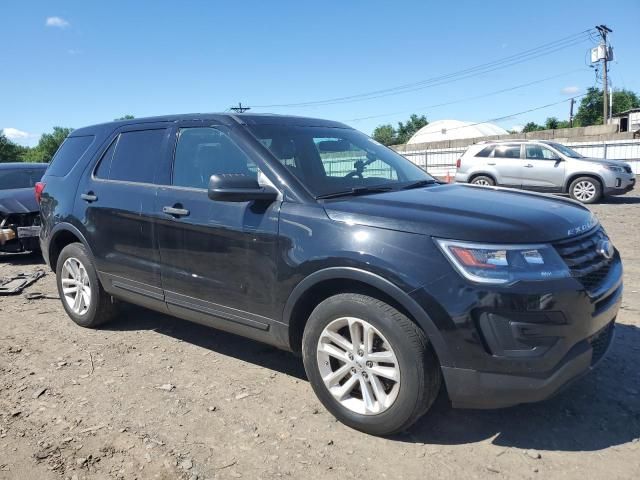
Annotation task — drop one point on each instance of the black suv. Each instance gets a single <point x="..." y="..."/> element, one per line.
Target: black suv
<point x="310" y="236"/>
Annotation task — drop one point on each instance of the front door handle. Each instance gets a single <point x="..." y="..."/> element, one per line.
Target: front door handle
<point x="175" y="211"/>
<point x="89" y="197"/>
<point x="528" y="165"/>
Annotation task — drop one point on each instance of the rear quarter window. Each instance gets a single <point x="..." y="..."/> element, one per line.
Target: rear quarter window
<point x="68" y="155"/>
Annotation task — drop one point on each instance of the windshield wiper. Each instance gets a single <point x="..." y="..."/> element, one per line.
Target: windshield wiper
<point x="420" y="183"/>
<point x="355" y="191"/>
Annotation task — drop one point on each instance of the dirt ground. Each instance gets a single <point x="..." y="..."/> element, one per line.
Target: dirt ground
<point x="154" y="397"/>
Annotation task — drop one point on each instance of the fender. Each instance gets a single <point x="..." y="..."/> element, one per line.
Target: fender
<point x="574" y="175"/>
<point x="379" y="283"/>
<point x="65" y="227"/>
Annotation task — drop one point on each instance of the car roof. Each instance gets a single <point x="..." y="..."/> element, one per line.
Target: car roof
<point x="517" y="140"/>
<point x="22" y="165"/>
<point x="224" y="118"/>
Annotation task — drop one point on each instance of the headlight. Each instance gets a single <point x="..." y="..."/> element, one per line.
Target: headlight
<point x="614" y="168"/>
<point x="502" y="264"/>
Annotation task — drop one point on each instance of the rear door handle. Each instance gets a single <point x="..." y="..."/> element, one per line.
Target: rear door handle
<point x="89" y="197"/>
<point x="175" y="212"/>
<point x="528" y="165"/>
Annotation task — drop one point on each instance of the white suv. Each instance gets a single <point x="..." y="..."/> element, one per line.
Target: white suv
<point x="544" y="167"/>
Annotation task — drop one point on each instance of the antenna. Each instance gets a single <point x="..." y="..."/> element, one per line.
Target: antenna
<point x="240" y="108"/>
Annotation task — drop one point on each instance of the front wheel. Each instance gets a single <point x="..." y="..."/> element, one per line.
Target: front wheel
<point x="369" y="364"/>
<point x="585" y="190"/>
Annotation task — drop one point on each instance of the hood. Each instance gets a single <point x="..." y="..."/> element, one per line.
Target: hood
<point x="18" y="200"/>
<point x="601" y="161"/>
<point x="464" y="212"/>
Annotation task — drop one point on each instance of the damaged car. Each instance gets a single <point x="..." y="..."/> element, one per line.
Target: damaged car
<point x="19" y="210"/>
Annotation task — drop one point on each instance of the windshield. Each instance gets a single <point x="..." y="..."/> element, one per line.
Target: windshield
<point x="19" y="178"/>
<point x="329" y="161"/>
<point x="569" y="152"/>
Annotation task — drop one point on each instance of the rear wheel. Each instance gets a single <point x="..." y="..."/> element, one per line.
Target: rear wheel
<point x="82" y="295"/>
<point x="369" y="365"/>
<point x="483" y="180"/>
<point x="585" y="190"/>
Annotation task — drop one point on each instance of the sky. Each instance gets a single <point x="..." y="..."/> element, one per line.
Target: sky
<point x="76" y="63"/>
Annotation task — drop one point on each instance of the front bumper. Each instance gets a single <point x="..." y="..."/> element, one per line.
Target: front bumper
<point x="620" y="185"/>
<point x="524" y="343"/>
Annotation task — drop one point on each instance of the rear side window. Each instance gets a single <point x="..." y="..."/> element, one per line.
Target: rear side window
<point x="69" y="154"/>
<point x="507" y="151"/>
<point x="485" y="152"/>
<point x="133" y="157"/>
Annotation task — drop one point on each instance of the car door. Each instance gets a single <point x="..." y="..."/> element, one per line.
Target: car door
<point x="506" y="160"/>
<point x="543" y="169"/>
<point x="218" y="258"/>
<point x="116" y="202"/>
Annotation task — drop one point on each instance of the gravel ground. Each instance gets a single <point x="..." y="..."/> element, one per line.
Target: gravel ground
<point x="154" y="397"/>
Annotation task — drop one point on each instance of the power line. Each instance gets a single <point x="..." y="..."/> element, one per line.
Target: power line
<point x="526" y="55"/>
<point x="497" y="119"/>
<point x="466" y="99"/>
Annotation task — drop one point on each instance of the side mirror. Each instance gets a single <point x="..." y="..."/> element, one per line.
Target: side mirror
<point x="239" y="188"/>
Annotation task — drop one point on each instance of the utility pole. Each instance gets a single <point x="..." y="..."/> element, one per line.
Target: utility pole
<point x="573" y="100"/>
<point x="240" y="108"/>
<point x="604" y="31"/>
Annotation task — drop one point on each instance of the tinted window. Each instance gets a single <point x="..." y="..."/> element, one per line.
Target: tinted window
<point x="485" y="152"/>
<point x="536" y="152"/>
<point x="105" y="162"/>
<point x="136" y="156"/>
<point x="202" y="152"/>
<point x="68" y="155"/>
<point x="507" y="151"/>
<point x="19" y="178"/>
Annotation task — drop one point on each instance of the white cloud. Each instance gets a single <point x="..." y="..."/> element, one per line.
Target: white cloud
<point x="19" y="136"/>
<point x="58" y="22"/>
<point x="570" y="90"/>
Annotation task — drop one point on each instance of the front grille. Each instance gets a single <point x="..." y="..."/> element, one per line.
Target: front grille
<point x="585" y="263"/>
<point x="600" y="343"/>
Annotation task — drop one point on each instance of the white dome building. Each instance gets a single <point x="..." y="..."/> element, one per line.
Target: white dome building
<point x="454" y="130"/>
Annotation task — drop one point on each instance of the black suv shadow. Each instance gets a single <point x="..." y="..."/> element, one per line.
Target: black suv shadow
<point x="598" y="411"/>
<point x="621" y="200"/>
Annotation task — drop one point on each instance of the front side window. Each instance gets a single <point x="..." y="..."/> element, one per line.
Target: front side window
<point x="133" y="156"/>
<point x="329" y="160"/>
<point x="202" y="152"/>
<point x="569" y="152"/>
<point x="507" y="151"/>
<point x="537" y="152"/>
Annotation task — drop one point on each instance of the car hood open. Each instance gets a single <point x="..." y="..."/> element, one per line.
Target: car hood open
<point x="464" y="212"/>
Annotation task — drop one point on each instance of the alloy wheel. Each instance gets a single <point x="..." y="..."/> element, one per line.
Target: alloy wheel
<point x="76" y="286"/>
<point x="482" y="181"/>
<point x="584" y="191"/>
<point x="358" y="366"/>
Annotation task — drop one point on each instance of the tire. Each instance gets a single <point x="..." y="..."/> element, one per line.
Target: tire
<point x="483" y="180"/>
<point x="585" y="190"/>
<point x="418" y="372"/>
<point x="74" y="260"/>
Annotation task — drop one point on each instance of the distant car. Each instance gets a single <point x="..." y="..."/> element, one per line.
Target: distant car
<point x="19" y="210"/>
<point x="545" y="167"/>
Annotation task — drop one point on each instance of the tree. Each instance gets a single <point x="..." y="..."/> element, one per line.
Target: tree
<point x="406" y="130"/>
<point x="126" y="117"/>
<point x="10" y="151"/>
<point x="385" y="134"/>
<point x="551" y="123"/>
<point x="532" y="127"/>
<point x="590" y="110"/>
<point x="47" y="145"/>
